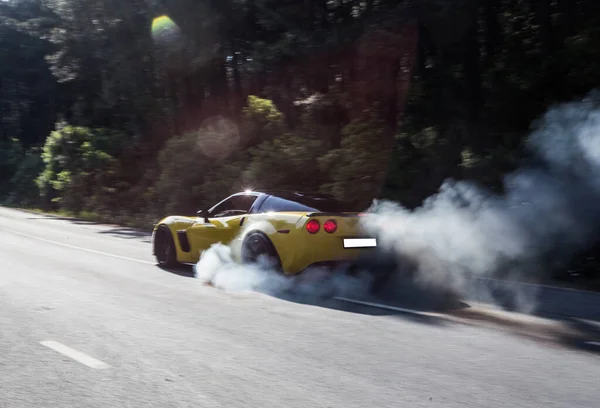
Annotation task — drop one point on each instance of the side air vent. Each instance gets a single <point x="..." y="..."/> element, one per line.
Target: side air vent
<point x="183" y="241"/>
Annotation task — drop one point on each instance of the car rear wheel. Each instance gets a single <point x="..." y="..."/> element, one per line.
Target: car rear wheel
<point x="164" y="248"/>
<point x="257" y="247"/>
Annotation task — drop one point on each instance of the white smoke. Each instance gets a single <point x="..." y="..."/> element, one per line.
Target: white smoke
<point x="549" y="210"/>
<point x="218" y="268"/>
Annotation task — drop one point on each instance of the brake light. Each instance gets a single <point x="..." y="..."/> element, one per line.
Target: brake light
<point x="330" y="226"/>
<point x="313" y="226"/>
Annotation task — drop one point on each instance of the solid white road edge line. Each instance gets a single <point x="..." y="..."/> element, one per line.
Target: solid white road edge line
<point x="75" y="355"/>
<point x="388" y="307"/>
<point x="81" y="248"/>
<point x="539" y="285"/>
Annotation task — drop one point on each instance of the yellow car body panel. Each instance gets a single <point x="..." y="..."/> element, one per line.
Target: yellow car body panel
<point x="297" y="248"/>
<point x="174" y="224"/>
<point x="202" y="235"/>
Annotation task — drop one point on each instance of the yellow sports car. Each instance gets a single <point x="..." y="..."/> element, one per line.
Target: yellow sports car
<point x="292" y="230"/>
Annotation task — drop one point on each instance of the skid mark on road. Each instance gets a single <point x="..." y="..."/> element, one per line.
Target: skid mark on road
<point x="75" y="355"/>
<point x="126" y="258"/>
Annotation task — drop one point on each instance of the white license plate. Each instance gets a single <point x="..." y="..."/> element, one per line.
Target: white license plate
<point x="360" y="243"/>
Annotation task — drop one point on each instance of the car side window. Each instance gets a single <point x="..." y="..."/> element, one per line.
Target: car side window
<point x="236" y="205"/>
<point x="270" y="204"/>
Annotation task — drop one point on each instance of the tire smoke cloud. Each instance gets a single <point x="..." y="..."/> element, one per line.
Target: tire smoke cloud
<point x="550" y="209"/>
<point x="218" y="268"/>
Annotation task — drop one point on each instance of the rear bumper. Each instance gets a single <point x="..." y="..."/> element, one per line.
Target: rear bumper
<point x="334" y="259"/>
<point x="371" y="259"/>
<point x="332" y="265"/>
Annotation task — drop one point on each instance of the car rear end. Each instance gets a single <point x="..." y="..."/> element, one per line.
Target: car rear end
<point x="328" y="240"/>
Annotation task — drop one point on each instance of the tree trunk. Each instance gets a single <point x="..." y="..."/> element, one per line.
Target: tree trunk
<point x="492" y="28"/>
<point x="543" y="17"/>
<point x="391" y="116"/>
<point x="218" y="87"/>
<point x="472" y="67"/>
<point x="237" y="86"/>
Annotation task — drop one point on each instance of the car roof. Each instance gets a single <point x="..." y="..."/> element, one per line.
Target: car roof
<point x="310" y="200"/>
<point x="293" y="195"/>
<point x="306" y="201"/>
<point x="289" y="194"/>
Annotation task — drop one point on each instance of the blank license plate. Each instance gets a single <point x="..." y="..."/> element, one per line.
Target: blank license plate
<point x="360" y="243"/>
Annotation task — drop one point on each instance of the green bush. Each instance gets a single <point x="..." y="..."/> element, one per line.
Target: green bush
<point x="184" y="166"/>
<point x="262" y="121"/>
<point x="80" y="164"/>
<point x="358" y="168"/>
<point x="288" y="162"/>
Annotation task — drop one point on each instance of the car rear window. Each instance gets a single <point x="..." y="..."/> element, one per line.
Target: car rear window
<point x="300" y="202"/>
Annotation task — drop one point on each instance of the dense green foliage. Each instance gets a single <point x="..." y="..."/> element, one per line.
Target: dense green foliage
<point x="81" y="170"/>
<point x="366" y="98"/>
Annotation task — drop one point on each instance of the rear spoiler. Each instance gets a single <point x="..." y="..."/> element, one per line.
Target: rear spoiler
<point x="335" y="214"/>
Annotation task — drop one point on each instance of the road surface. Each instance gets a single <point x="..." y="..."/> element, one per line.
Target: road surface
<point x="88" y="320"/>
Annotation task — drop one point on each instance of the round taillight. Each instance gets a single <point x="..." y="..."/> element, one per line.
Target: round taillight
<point x="313" y="226"/>
<point x="330" y="226"/>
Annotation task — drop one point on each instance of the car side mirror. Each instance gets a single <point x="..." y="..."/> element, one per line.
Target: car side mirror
<point x="203" y="214"/>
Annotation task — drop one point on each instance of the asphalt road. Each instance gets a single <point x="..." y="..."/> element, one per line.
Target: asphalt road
<point x="139" y="336"/>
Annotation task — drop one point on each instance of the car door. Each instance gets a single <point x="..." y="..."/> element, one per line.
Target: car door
<point x="223" y="223"/>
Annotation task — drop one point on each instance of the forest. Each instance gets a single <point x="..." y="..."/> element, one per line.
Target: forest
<point x="130" y="110"/>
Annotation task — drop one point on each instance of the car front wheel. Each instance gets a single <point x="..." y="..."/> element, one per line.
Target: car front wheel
<point x="164" y="248"/>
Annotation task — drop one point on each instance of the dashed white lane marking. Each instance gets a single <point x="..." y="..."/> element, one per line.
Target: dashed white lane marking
<point x="388" y="307"/>
<point x="75" y="355"/>
<point x="81" y="248"/>
<point x="593" y="343"/>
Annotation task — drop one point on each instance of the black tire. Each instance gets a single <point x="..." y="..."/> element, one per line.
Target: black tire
<point x="256" y="245"/>
<point x="164" y="248"/>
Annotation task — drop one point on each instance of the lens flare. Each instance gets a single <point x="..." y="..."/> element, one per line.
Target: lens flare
<point x="162" y="23"/>
<point x="218" y="137"/>
<point x="164" y="29"/>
